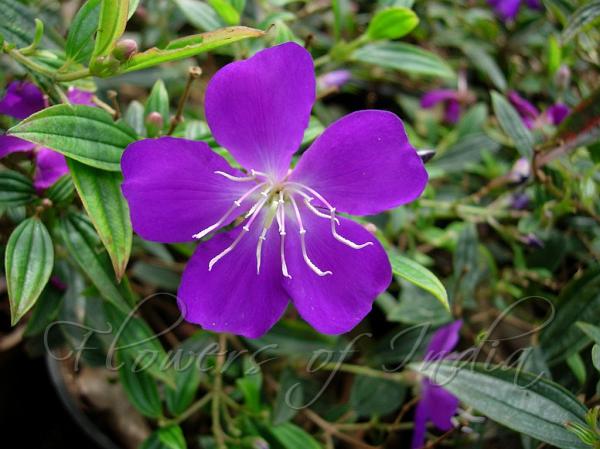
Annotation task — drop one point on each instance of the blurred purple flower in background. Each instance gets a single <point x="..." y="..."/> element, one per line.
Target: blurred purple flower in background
<point x="436" y="404"/>
<point x="507" y="10"/>
<point x="450" y="100"/>
<point x="556" y="113"/>
<point x="287" y="243"/>
<point x="334" y="80"/>
<point x="532" y="117"/>
<point x="21" y="100"/>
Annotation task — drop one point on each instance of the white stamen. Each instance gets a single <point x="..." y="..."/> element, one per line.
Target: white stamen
<point x="309" y="262"/>
<point x="237" y="203"/>
<point x="263" y="234"/>
<point x="344" y="240"/>
<point x="259" y="173"/>
<point x="235" y="178"/>
<point x="317" y="212"/>
<point x="281" y="223"/>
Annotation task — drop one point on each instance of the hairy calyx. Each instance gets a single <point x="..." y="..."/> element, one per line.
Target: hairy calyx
<point x="275" y="202"/>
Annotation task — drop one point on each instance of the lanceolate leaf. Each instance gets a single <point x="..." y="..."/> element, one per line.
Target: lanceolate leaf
<point x="420" y="276"/>
<point x="113" y="18"/>
<point x="521" y="401"/>
<point x="100" y="192"/>
<point x="188" y="46"/>
<point x="584" y="16"/>
<point x="83" y="245"/>
<point x="15" y="189"/>
<point x="405" y="58"/>
<point x="392" y="23"/>
<point x="140" y="388"/>
<point x="86" y="134"/>
<point x="512" y="125"/>
<point x="80" y="40"/>
<point x="29" y="260"/>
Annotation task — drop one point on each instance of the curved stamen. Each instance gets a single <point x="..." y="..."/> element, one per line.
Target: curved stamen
<point x="342" y="239"/>
<point x="309" y="262"/>
<point x="245" y="230"/>
<point x="235" y="178"/>
<point x="280" y="216"/>
<point x="317" y="212"/>
<point x="237" y="203"/>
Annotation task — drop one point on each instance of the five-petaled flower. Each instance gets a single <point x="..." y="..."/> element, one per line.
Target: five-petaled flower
<point x="436" y="404"/>
<point x="21" y="100"/>
<point x="289" y="241"/>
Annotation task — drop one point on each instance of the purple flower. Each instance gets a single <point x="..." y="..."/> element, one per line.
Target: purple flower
<point x="449" y="98"/>
<point x="528" y="112"/>
<point x="508" y="9"/>
<point x="77" y="96"/>
<point x="21" y="100"/>
<point x="436" y="404"/>
<point x="334" y="79"/>
<point x="556" y="113"/>
<point x="288" y="241"/>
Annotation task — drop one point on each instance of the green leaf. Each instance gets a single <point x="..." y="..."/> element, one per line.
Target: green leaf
<point x="16" y="23"/>
<point x="512" y="125"/>
<point x="29" y="259"/>
<point x="227" y="12"/>
<point x="584" y="16"/>
<point x="420" y="276"/>
<point x="577" y="366"/>
<point x="579" y="301"/>
<point x="370" y="396"/>
<point x="486" y="65"/>
<point x="405" y="58"/>
<point x="417" y="306"/>
<point x="83" y="244"/>
<point x="134" y="117"/>
<point x="290" y="436"/>
<point x="200" y="14"/>
<point x="465" y="153"/>
<point x="590" y="330"/>
<point x="15" y="189"/>
<point x="521" y="401"/>
<point x="189" y="46"/>
<point x="172" y="437"/>
<point x="141" y="389"/>
<point x="45" y="311"/>
<point x="158" y="101"/>
<point x="596" y="356"/>
<point x="61" y="192"/>
<point x="250" y="384"/>
<point x="84" y="133"/>
<point x="113" y="18"/>
<point x="80" y="40"/>
<point x="100" y="193"/>
<point x="289" y="398"/>
<point x="392" y="23"/>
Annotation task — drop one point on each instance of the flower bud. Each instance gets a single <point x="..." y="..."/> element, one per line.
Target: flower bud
<point x="520" y="171"/>
<point x="125" y="49"/>
<point x="154" y="123"/>
<point x="563" y="77"/>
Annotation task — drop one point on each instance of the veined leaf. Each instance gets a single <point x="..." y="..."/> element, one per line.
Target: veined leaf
<point x="392" y="23"/>
<point x="405" y="58"/>
<point x="521" y="401"/>
<point x="227" y="12"/>
<point x="113" y="18"/>
<point x="420" y="276"/>
<point x="80" y="40"/>
<point x="29" y="260"/>
<point x="15" y="189"/>
<point x="200" y="15"/>
<point x="590" y="330"/>
<point x="584" y="16"/>
<point x="88" y="135"/>
<point x="100" y="193"/>
<point x="188" y="46"/>
<point x="512" y="125"/>
<point x="141" y="389"/>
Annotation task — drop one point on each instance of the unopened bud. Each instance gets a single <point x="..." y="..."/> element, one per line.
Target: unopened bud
<point x="154" y="123"/>
<point x="370" y="227"/>
<point x="125" y="49"/>
<point x="563" y="77"/>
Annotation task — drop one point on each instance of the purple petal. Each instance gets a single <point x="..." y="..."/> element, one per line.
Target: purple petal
<point x="443" y="341"/>
<point x="363" y="164"/>
<point x="173" y="190"/>
<point x="335" y="303"/>
<point x="534" y="4"/>
<point x="232" y="297"/>
<point x="430" y="99"/>
<point x="526" y="110"/>
<point x="441" y="405"/>
<point x="334" y="79"/>
<point x="10" y="144"/>
<point x="557" y="113"/>
<point x="77" y="96"/>
<point x="259" y="108"/>
<point x="452" y="111"/>
<point x="421" y="417"/>
<point x="49" y="167"/>
<point x="506" y="9"/>
<point x="21" y="100"/>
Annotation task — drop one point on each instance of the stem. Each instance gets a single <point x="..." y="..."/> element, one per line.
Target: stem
<point x="364" y="370"/>
<point x="30" y="64"/>
<point x="189" y="411"/>
<point x="193" y="73"/>
<point x="217" y="392"/>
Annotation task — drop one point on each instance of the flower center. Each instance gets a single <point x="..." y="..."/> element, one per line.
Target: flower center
<point x="276" y="201"/>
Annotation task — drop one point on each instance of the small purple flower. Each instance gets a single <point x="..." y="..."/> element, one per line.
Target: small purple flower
<point x="519" y="201"/>
<point x="77" y="96"/>
<point x="288" y="241"/>
<point x="450" y="100"/>
<point x="334" y="80"/>
<point x="436" y="404"/>
<point x="507" y="10"/>
<point x="520" y="171"/>
<point x="21" y="100"/>
<point x="556" y="113"/>
<point x="528" y="112"/>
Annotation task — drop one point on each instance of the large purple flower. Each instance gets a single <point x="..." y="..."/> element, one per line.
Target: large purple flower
<point x="21" y="100"/>
<point x="289" y="242"/>
<point x="436" y="404"/>
<point x="508" y="9"/>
